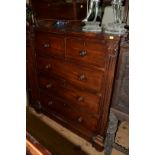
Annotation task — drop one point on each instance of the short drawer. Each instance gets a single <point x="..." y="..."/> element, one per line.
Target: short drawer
<point x="65" y="112"/>
<point x="50" y="44"/>
<point x="76" y="98"/>
<point x="87" y="51"/>
<point x="82" y="77"/>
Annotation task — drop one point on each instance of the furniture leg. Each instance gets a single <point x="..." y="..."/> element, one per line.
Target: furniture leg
<point x="110" y="136"/>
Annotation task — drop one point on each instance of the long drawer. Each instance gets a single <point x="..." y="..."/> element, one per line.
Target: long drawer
<point x="82" y="77"/>
<point x="87" y="51"/>
<point x="75" y="97"/>
<point x="69" y="114"/>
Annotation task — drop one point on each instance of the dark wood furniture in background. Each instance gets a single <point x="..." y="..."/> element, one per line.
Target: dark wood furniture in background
<point x="59" y="9"/>
<point x="66" y="9"/>
<point x="70" y="72"/>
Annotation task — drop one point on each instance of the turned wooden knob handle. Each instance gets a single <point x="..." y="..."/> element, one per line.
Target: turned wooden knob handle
<point x="46" y="45"/>
<point x="48" y="66"/>
<point x="80" y="98"/>
<point x="63" y="83"/>
<point x="49" y="85"/>
<point x="81" y="77"/>
<point x="50" y="103"/>
<point x="80" y="119"/>
<point x="64" y="104"/>
<point x="48" y="4"/>
<point x="83" y="53"/>
<point x="29" y="89"/>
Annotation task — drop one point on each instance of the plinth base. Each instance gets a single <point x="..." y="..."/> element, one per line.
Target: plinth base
<point x="92" y="27"/>
<point x="115" y="28"/>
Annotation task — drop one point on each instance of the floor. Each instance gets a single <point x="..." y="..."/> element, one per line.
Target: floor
<point x="81" y="146"/>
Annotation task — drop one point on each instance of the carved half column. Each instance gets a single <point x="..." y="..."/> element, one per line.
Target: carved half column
<point x="111" y="60"/>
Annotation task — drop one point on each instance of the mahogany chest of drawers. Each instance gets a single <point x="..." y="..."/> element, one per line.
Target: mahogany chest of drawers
<point x="72" y="78"/>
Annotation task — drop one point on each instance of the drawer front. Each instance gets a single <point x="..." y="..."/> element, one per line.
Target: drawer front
<point x="91" y="52"/>
<point x="65" y="112"/>
<point x="82" y="77"/>
<point x="50" y="45"/>
<point x="81" y="99"/>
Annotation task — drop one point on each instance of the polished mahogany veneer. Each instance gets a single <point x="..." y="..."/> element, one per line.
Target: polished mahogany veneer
<point x="71" y="75"/>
